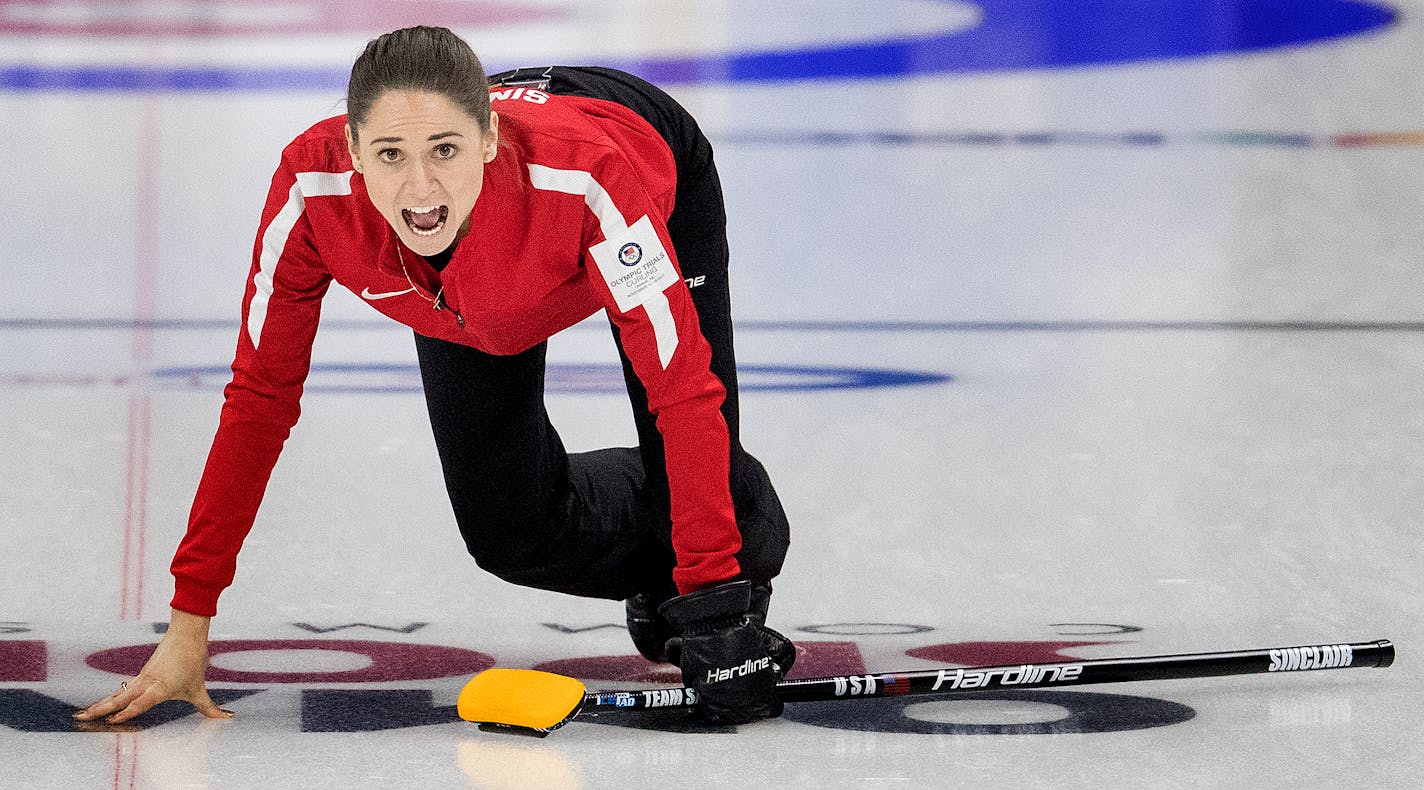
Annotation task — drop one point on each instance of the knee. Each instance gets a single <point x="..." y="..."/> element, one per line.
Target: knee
<point x="515" y="558"/>
<point x="507" y="540"/>
<point x="766" y="532"/>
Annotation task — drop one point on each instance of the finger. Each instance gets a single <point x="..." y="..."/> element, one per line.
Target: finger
<point x="205" y="705"/>
<point x="210" y="709"/>
<point x="152" y="695"/>
<point x="116" y="701"/>
<point x="101" y="708"/>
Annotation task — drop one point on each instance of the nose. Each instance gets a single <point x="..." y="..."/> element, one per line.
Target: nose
<point x="419" y="179"/>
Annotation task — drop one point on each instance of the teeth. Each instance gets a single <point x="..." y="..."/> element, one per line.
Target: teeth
<point x="439" y="226"/>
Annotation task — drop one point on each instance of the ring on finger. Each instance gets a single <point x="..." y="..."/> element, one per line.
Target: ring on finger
<point x="124" y="686"/>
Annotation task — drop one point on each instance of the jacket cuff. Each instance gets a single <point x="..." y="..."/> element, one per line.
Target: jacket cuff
<point x="195" y="597"/>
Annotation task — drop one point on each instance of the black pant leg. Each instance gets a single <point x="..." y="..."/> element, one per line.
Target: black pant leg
<point x="504" y="464"/>
<point x="528" y="511"/>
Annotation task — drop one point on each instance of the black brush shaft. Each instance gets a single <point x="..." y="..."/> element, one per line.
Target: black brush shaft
<point x="1279" y="660"/>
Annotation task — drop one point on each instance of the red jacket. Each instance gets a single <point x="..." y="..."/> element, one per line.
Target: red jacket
<point x="571" y="219"/>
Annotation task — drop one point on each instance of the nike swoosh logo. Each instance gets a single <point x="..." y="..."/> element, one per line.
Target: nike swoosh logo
<point x="366" y="294"/>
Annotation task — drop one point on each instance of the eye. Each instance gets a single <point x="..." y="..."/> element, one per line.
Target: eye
<point x="445" y="150"/>
<point x="389" y="154"/>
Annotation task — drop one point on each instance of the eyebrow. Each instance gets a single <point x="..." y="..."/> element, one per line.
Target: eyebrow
<point x="431" y="138"/>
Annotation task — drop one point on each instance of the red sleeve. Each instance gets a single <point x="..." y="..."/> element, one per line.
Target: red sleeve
<point x="280" y="312"/>
<point x="641" y="286"/>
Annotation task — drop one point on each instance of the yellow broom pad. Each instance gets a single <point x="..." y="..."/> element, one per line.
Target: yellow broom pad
<point x="520" y="698"/>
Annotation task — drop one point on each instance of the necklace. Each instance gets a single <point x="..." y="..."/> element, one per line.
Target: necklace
<point x="437" y="301"/>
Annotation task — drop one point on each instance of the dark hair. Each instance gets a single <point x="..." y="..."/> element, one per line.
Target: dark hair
<point x="427" y="59"/>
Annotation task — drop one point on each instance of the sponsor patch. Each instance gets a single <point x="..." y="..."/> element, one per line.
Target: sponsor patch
<point x="635" y="265"/>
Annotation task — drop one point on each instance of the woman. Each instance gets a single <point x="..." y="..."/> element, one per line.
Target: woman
<point x="488" y="215"/>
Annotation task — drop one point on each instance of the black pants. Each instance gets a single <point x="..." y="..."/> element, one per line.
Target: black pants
<point x="595" y="524"/>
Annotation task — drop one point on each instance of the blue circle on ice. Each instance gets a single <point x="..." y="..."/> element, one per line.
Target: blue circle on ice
<point x="1035" y="34"/>
<point x="1008" y="35"/>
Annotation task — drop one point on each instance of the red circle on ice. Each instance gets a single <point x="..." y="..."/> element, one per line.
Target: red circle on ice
<point x="388" y="661"/>
<point x="152" y="18"/>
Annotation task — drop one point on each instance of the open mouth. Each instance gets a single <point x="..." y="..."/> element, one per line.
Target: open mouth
<point x="426" y="220"/>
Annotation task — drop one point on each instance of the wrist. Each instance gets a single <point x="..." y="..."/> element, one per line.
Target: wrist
<point x="187" y="625"/>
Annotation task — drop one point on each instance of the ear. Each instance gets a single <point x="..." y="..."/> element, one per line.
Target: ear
<point x="491" y="140"/>
<point x="352" y="147"/>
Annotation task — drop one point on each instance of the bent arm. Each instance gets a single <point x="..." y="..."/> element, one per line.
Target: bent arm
<point x="641" y="286"/>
